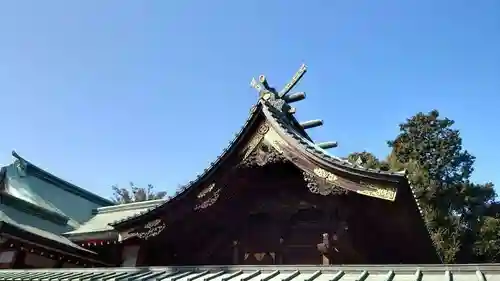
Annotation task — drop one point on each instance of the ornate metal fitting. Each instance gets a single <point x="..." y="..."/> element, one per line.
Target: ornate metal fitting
<point x="382" y="192"/>
<point x="256" y="139"/>
<point x="324" y="174"/>
<point x="323" y="182"/>
<point x="151" y="229"/>
<point x="207" y="197"/>
<point x="205" y="191"/>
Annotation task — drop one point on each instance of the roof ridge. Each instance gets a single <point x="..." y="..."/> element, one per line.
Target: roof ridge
<point x="283" y="124"/>
<point x="129" y="206"/>
<point x="66" y="185"/>
<point x="276" y="108"/>
<point x="254" y="111"/>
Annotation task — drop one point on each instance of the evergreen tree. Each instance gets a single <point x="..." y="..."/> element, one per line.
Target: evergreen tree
<point x="455" y="209"/>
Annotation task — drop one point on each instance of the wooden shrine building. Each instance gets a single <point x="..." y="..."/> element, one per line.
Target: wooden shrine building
<point x="276" y="197"/>
<point x="35" y="208"/>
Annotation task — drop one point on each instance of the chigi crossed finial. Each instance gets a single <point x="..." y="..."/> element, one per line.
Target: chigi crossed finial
<point x="281" y="99"/>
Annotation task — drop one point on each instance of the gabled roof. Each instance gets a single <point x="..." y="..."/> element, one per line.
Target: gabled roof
<point x="286" y="135"/>
<point x="38" y="210"/>
<point x="44" y="239"/>
<point x="56" y="181"/>
<point x="238" y="137"/>
<point x="39" y="232"/>
<point x="479" y="272"/>
<point x="98" y="226"/>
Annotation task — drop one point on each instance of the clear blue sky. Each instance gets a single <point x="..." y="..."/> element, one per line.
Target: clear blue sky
<point x="106" y="92"/>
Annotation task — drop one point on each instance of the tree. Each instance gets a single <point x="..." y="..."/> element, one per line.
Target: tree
<point x="440" y="169"/>
<point x="135" y="194"/>
<point x="367" y="160"/>
<point x="487" y="249"/>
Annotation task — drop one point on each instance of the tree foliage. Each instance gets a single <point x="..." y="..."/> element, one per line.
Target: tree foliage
<point x="135" y="194"/>
<point x="367" y="160"/>
<point x="440" y="169"/>
<point x="462" y="216"/>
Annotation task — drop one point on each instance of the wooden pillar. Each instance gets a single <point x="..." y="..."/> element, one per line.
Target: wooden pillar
<point x="236" y="252"/>
<point x="282" y="219"/>
<point x="281" y="253"/>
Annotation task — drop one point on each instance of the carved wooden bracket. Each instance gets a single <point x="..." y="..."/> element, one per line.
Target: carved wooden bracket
<point x="262" y="155"/>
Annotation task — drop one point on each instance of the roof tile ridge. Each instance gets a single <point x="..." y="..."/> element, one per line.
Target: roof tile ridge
<point x="312" y="147"/>
<point x="129" y="206"/>
<point x="62" y="181"/>
<point x="184" y="188"/>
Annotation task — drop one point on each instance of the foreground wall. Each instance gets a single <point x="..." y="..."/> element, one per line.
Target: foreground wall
<point x="481" y="272"/>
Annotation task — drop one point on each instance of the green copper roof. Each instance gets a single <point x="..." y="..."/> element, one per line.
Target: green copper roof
<point x="106" y="215"/>
<point x="63" y="184"/>
<point x="268" y="273"/>
<point x="40" y="233"/>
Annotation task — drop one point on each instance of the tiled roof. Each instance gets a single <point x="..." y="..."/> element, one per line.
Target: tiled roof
<point x="285" y="126"/>
<point x="273" y="111"/>
<point x="484" y="272"/>
<point x="106" y="215"/>
<point x="41" y="233"/>
<point x="39" y="172"/>
<point x="238" y="136"/>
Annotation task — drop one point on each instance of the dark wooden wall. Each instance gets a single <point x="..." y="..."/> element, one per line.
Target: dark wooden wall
<point x="267" y="215"/>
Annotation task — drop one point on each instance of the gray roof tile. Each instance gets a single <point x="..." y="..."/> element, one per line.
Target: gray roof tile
<point x="106" y="215"/>
<point x="288" y="125"/>
<point x="484" y="272"/>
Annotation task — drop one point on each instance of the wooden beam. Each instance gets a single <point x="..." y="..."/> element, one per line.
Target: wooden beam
<point x="327" y="145"/>
<point x="311" y="124"/>
<point x="294" y="97"/>
<point x="295" y="79"/>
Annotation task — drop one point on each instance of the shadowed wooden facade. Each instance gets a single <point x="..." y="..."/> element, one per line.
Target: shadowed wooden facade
<point x="276" y="197"/>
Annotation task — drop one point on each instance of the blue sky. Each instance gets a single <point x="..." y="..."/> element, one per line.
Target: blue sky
<point x="107" y="92"/>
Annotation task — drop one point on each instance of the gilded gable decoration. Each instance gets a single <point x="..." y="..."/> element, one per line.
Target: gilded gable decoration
<point x="151" y="229"/>
<point x="274" y="140"/>
<point x="264" y="148"/>
<point x="327" y="176"/>
<point x="208" y="196"/>
<point x="205" y="191"/>
<point x="257" y="139"/>
<point x="264" y="154"/>
<point x="377" y="191"/>
<point x="323" y="182"/>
